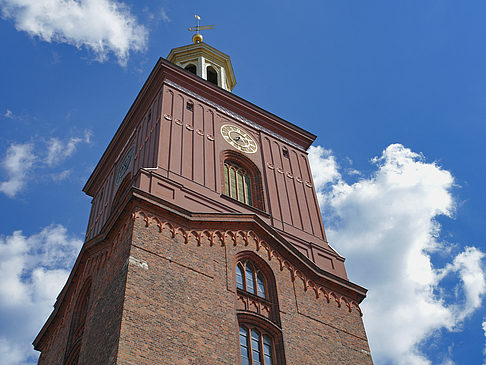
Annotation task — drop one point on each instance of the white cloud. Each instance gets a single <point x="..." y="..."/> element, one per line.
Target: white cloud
<point x="18" y="161"/>
<point x="386" y="227"/>
<point x="484" y="331"/>
<point x="102" y="26"/>
<point x="58" y="151"/>
<point x="325" y="168"/>
<point x="163" y="15"/>
<point x="61" y="176"/>
<point x="33" y="270"/>
<point x="8" y="114"/>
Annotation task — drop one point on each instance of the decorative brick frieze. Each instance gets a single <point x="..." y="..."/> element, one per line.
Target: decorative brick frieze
<point x="252" y="303"/>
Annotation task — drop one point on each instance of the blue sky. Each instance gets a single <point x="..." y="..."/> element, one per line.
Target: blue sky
<point x="394" y="90"/>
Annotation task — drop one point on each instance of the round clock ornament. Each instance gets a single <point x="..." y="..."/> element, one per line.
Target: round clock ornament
<point x="238" y="138"/>
<point x="124" y="165"/>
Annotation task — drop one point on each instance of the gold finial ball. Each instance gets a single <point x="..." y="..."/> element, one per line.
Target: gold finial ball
<point x="197" y="38"/>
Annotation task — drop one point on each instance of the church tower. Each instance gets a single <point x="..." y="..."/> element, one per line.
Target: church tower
<point x="205" y="243"/>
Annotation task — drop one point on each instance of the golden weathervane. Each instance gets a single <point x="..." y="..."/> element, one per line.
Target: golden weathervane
<point x="197" y="37"/>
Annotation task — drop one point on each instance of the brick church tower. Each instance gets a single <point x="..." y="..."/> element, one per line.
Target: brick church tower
<point x="205" y="243"/>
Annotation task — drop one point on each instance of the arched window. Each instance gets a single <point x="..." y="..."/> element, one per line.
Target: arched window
<point x="241" y="179"/>
<point x="237" y="183"/>
<point x="250" y="279"/>
<point x="256" y="347"/>
<point x="77" y="325"/>
<point x="191" y="68"/>
<point x="212" y="75"/>
<point x="258" y="313"/>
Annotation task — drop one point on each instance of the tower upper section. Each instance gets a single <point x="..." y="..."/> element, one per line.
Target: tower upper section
<point x="206" y="62"/>
<point x="189" y="144"/>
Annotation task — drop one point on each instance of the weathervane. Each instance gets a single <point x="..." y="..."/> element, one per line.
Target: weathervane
<point x="197" y="37"/>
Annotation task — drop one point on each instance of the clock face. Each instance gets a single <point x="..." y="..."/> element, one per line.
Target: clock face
<point x="124" y="165"/>
<point x="238" y="138"/>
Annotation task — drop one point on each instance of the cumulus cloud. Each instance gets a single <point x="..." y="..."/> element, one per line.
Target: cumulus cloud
<point x="20" y="157"/>
<point x="386" y="225"/>
<point x="33" y="270"/>
<point x="18" y="161"/>
<point x="325" y="169"/>
<point x="102" y="26"/>
<point x="58" y="150"/>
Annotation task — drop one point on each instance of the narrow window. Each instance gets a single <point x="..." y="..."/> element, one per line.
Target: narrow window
<point x="190" y="106"/>
<point x="212" y="75"/>
<point x="260" y="285"/>
<point x="77" y="326"/>
<point x="267" y="350"/>
<point x="285" y="152"/>
<point x="191" y="68"/>
<point x="239" y="277"/>
<point x="256" y="347"/>
<point x="250" y="287"/>
<point x="244" y="348"/>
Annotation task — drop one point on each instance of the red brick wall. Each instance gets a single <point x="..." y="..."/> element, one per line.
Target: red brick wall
<point x="180" y="304"/>
<point x="107" y="269"/>
<point x="165" y="294"/>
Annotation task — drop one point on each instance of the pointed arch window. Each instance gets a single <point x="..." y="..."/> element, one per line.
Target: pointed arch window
<point x="241" y="180"/>
<point x="250" y="279"/>
<point x="259" y="330"/>
<point x="78" y="325"/>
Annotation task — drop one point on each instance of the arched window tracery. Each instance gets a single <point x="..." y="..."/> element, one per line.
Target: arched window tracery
<point x="259" y="332"/>
<point x="250" y="279"/>
<point x="242" y="180"/>
<point x="237" y="183"/>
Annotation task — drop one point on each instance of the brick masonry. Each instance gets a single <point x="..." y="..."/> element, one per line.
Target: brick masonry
<point x="165" y="294"/>
<point x="180" y="304"/>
